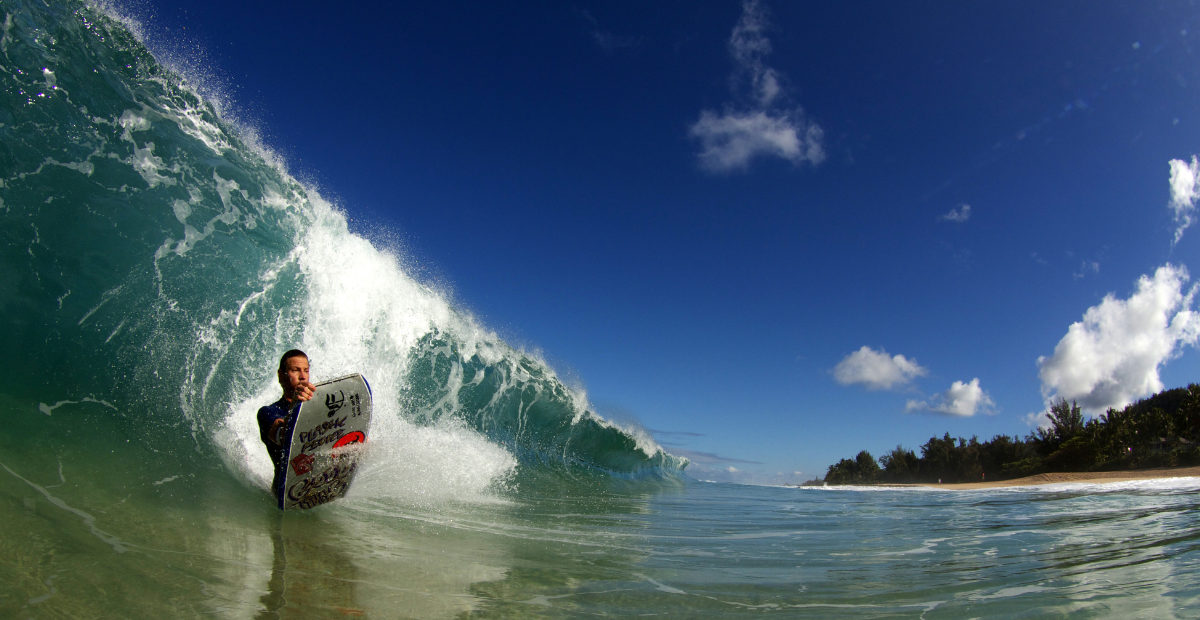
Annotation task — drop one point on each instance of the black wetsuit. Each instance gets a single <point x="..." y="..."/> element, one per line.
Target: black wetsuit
<point x="278" y="410"/>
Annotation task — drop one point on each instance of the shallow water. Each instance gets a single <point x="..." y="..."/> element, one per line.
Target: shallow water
<point x="162" y="548"/>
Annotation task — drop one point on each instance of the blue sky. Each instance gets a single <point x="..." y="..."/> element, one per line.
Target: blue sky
<point x="773" y="233"/>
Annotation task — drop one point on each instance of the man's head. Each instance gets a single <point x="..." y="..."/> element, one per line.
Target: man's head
<point x="293" y="371"/>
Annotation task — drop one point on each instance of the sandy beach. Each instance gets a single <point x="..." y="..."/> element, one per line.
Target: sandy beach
<point x="1092" y="477"/>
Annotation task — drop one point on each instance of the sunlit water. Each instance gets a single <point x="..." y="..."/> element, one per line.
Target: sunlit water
<point x="147" y="550"/>
<point x="157" y="260"/>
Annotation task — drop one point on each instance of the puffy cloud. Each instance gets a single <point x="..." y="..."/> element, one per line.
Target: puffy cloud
<point x="876" y="370"/>
<point x="1112" y="356"/>
<point x="962" y="400"/>
<point x="766" y="125"/>
<point x="730" y="141"/>
<point x="960" y="214"/>
<point x="1185" y="189"/>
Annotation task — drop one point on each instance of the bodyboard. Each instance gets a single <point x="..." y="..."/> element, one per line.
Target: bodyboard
<point x="327" y="441"/>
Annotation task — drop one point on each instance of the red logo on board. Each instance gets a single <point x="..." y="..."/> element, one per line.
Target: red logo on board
<point x="302" y="464"/>
<point x="349" y="438"/>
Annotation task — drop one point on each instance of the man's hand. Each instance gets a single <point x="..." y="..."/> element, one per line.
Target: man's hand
<point x="276" y="432"/>
<point x="304" y="391"/>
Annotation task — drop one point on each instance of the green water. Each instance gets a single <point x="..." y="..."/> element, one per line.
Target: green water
<point x="118" y="545"/>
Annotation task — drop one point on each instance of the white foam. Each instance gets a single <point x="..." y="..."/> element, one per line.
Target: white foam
<point x="1156" y="484"/>
<point x="362" y="313"/>
<point x="432" y="464"/>
<point x="1180" y="483"/>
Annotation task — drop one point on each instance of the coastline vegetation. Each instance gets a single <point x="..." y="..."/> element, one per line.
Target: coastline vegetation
<point x="1162" y="430"/>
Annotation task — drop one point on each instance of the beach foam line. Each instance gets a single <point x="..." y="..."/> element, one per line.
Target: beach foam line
<point x="1092" y="477"/>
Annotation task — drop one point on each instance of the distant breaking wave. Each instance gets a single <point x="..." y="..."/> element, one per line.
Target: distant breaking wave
<point x="158" y="261"/>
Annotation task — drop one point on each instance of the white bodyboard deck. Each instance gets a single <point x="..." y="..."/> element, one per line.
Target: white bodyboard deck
<point x="327" y="441"/>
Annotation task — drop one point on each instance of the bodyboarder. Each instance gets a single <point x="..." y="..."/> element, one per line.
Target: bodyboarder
<point x="276" y="421"/>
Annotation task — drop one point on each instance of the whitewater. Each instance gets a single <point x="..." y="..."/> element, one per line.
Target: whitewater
<point x="157" y="259"/>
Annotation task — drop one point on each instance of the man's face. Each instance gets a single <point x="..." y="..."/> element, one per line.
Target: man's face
<point x="294" y="373"/>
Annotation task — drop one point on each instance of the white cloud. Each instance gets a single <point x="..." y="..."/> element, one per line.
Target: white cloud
<point x="1185" y="189"/>
<point x="1112" y="356"/>
<point x="766" y="125"/>
<point x="962" y="399"/>
<point x="731" y="140"/>
<point x="876" y="370"/>
<point x="960" y="214"/>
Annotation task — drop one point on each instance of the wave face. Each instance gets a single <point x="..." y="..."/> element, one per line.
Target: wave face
<point x="157" y="261"/>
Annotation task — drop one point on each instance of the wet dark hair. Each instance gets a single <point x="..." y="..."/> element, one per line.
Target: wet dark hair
<point x="289" y="355"/>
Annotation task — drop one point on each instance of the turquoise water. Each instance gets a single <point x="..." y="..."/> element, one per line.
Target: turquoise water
<point x="696" y="550"/>
<point x="157" y="260"/>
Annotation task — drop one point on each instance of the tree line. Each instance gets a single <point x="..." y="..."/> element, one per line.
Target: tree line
<point x="1160" y="431"/>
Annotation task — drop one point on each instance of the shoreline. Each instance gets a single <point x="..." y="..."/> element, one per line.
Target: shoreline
<point x="1089" y="477"/>
<point x="1083" y="477"/>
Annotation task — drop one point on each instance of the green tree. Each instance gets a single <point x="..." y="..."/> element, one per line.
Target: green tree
<point x="868" y="469"/>
<point x="999" y="451"/>
<point x="951" y="460"/>
<point x="862" y="470"/>
<point x="1066" y="420"/>
<point x="1187" y="416"/>
<point x="900" y="465"/>
<point x="1161" y="430"/>
<point x="841" y="472"/>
